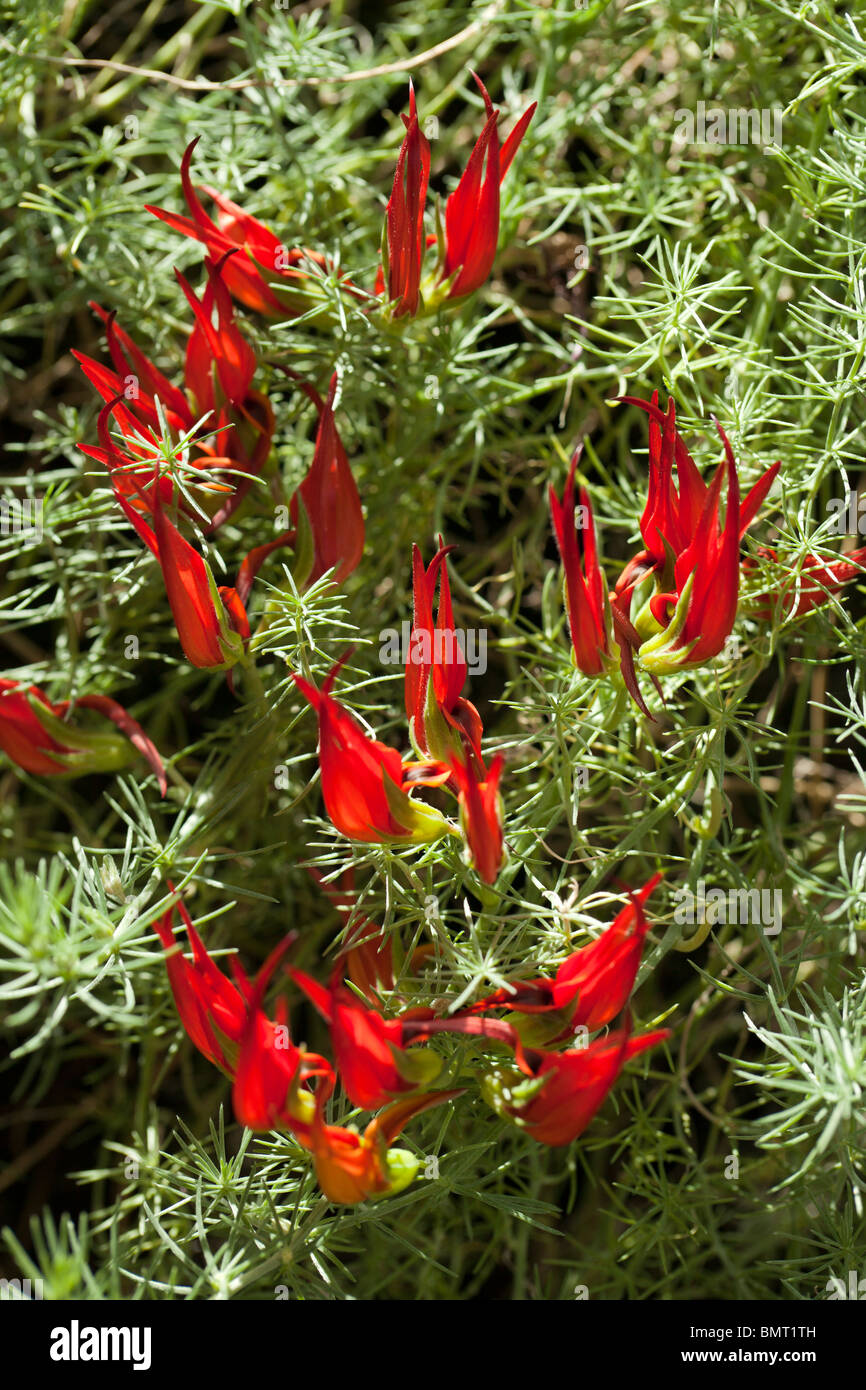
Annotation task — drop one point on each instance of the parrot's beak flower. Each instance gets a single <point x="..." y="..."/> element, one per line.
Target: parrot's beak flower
<point x="211" y="622"/>
<point x="213" y="1010"/>
<point x="230" y="422"/>
<point x="37" y="735"/>
<point x="697" y="615"/>
<point x="481" y="814"/>
<point x="813" y="583"/>
<point x="220" y="364"/>
<point x="693" y="556"/>
<point x="593" y="984"/>
<point x="586" y="592"/>
<point x="366" y="786"/>
<point x="264" y="275"/>
<point x="442" y="724"/>
<point x="467" y="243"/>
<point x="673" y="511"/>
<point x="327" y="530"/>
<point x="225" y="1021"/>
<point x="369" y="1050"/>
<point x="271" y="1074"/>
<point x="353" y="1168"/>
<point x="565" y="1090"/>
<point x="404" y="219"/>
<point x="472" y="211"/>
<point x="329" y="497"/>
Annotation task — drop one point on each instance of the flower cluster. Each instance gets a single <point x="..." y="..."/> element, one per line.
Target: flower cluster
<point x="674" y="604"/>
<point x="183" y="458"/>
<point x="384" y="1062"/>
<point x="686" y="581"/>
<point x="223" y="429"/>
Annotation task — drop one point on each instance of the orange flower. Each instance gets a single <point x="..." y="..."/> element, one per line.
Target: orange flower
<point x="352" y="1168"/>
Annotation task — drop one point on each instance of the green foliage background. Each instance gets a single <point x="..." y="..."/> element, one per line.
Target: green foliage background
<point x="734" y="278"/>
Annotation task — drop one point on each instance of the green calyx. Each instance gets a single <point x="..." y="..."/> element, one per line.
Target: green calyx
<point x="662" y="655"/>
<point x="421" y="823"/>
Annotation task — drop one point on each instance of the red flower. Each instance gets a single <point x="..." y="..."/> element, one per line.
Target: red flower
<point x="471" y="232"/>
<point x="34" y="735"/>
<point x="672" y="513"/>
<point x="696" y="559"/>
<point x="327" y="529"/>
<point x="574" y="1085"/>
<point x="211" y="622"/>
<point x="697" y="615"/>
<point x="365" y="784"/>
<point x="586" y="595"/>
<point x="259" y="257"/>
<point x="212" y="1010"/>
<point x="404" y="222"/>
<point x="472" y="211"/>
<point x="442" y="723"/>
<point x="270" y="1072"/>
<point x="236" y="432"/>
<point x="220" y="364"/>
<point x="329" y="496"/>
<point x="369" y="1049"/>
<point x="481" y="815"/>
<point x="592" y="984"/>
<point x="225" y="1021"/>
<point x="265" y="1070"/>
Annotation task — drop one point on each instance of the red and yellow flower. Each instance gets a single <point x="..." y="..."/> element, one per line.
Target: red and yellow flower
<point x="593" y="984"/>
<point x="694" y="557"/>
<point x="564" y="1090"/>
<point x="366" y="786"/>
